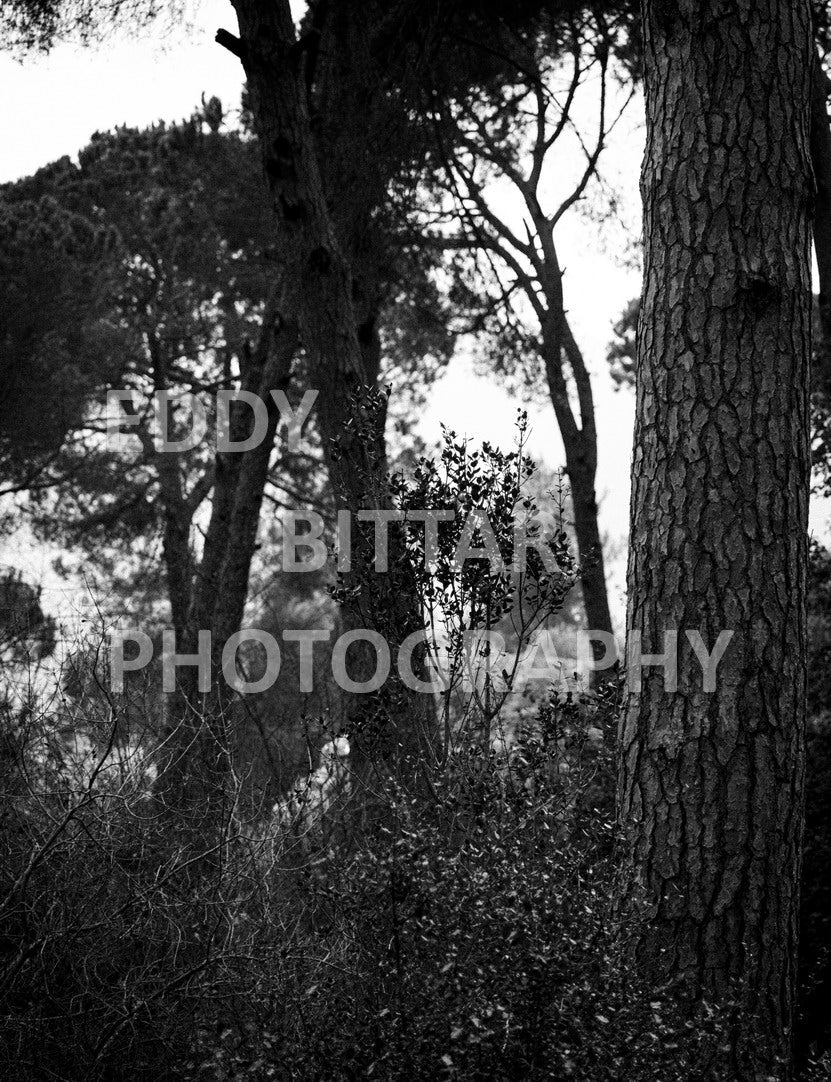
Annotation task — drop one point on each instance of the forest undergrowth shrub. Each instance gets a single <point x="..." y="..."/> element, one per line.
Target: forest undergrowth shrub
<point x="467" y="932"/>
<point x="474" y="936"/>
<point x="471" y="936"/>
<point x="431" y="947"/>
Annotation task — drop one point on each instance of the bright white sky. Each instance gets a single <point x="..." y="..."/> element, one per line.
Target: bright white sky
<point x="55" y="103"/>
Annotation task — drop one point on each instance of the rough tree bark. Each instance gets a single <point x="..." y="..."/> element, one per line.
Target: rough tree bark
<point x="710" y="785"/>
<point x="821" y="160"/>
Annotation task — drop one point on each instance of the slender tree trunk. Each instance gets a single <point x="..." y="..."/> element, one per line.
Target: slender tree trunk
<point x="710" y="785"/>
<point x="580" y="445"/>
<point x="176" y="551"/>
<point x="176" y="516"/>
<point x="252" y="479"/>
<point x="268" y="367"/>
<point x="581" y="475"/>
<point x="198" y="730"/>
<point x="581" y="462"/>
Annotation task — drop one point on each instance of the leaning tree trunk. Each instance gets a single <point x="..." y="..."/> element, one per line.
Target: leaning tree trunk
<point x="196" y="734"/>
<point x="581" y="463"/>
<point x="710" y="785"/>
<point x="312" y="257"/>
<point x="581" y="466"/>
<point x="580" y="446"/>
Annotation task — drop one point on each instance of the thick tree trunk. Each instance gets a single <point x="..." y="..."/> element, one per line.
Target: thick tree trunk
<point x="313" y="259"/>
<point x="310" y="255"/>
<point x="821" y="160"/>
<point x="710" y="787"/>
